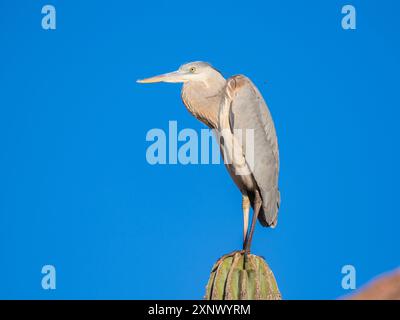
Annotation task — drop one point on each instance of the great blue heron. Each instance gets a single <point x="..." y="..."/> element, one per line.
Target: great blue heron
<point x="230" y="105"/>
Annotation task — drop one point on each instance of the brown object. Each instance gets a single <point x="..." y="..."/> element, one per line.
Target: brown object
<point x="385" y="287"/>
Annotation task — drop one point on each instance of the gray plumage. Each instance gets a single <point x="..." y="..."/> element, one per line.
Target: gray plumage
<point x="248" y="110"/>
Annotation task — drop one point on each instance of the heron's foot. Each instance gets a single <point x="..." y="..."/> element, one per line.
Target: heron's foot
<point x="246" y="248"/>
<point x="246" y="245"/>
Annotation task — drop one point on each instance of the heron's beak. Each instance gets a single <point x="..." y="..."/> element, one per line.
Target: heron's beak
<point x="174" y="77"/>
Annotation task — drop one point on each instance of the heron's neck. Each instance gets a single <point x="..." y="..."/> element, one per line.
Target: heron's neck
<point x="202" y="99"/>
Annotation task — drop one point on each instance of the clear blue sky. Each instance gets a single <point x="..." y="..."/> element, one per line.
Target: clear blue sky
<point x="76" y="190"/>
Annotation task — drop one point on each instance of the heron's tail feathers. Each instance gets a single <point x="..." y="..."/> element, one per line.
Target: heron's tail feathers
<point x="268" y="215"/>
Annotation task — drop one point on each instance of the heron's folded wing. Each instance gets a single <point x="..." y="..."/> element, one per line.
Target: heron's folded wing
<point x="248" y="111"/>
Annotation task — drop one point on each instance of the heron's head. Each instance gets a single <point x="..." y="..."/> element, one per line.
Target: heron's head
<point x="192" y="71"/>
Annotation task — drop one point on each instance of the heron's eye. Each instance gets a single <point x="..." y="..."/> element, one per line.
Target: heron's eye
<point x="192" y="69"/>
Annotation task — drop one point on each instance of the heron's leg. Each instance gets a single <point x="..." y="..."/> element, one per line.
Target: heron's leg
<point x="246" y="210"/>
<point x="256" y="210"/>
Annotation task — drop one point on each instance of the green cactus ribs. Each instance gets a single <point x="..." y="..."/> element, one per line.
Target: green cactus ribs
<point x="240" y="276"/>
